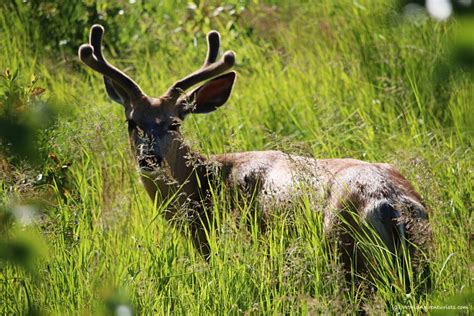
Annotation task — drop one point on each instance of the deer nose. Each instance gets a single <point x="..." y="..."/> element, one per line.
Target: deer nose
<point x="157" y="152"/>
<point x="149" y="156"/>
<point x="158" y="160"/>
<point x="150" y="162"/>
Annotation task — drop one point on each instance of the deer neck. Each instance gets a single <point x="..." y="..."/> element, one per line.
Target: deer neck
<point x="183" y="170"/>
<point x="185" y="165"/>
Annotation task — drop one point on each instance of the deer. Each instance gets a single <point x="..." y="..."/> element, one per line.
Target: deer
<point x="377" y="193"/>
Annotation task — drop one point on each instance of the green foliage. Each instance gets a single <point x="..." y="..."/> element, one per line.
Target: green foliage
<point x="324" y="79"/>
<point x="22" y="114"/>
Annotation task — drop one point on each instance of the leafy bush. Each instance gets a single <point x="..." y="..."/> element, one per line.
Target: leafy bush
<point x="22" y="115"/>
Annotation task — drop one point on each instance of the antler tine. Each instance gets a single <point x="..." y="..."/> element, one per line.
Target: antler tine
<point x="209" y="69"/>
<point x="91" y="55"/>
<point x="213" y="43"/>
<point x="95" y="39"/>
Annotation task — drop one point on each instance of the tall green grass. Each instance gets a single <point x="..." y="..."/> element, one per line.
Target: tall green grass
<point x="328" y="79"/>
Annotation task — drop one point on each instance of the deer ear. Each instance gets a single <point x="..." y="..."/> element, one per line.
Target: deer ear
<point x="114" y="92"/>
<point x="209" y="96"/>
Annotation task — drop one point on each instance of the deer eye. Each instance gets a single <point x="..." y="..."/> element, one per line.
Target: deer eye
<point x="133" y="126"/>
<point x="174" y="125"/>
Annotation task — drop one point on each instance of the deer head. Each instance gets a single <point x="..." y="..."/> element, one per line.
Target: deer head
<point x="154" y="122"/>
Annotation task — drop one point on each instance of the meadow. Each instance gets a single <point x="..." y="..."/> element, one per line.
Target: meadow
<point x="326" y="79"/>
